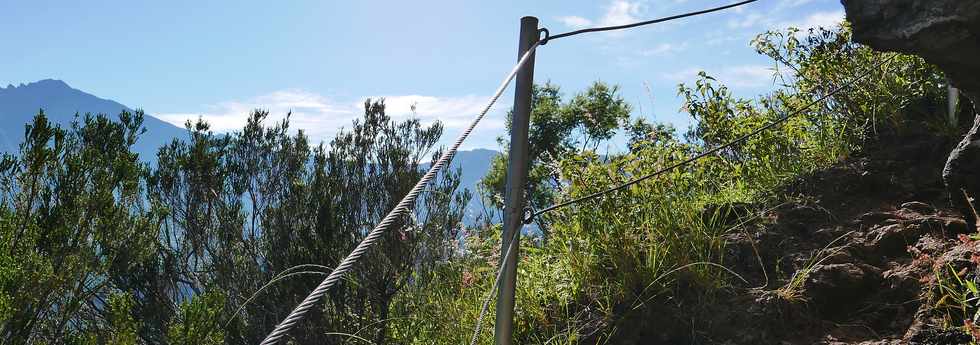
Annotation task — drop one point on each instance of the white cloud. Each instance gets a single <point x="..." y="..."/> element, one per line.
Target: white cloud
<point x="617" y="12"/>
<point x="684" y="75"/>
<point x="747" y="20"/>
<point x="311" y="112"/>
<point x="758" y="21"/>
<point x="747" y="76"/>
<point x="621" y="12"/>
<point x="321" y="117"/>
<point x="453" y="112"/>
<point x="575" y="22"/>
<point x="664" y="49"/>
<point x="726" y="38"/>
<point x="793" y="3"/>
<point x="783" y="15"/>
<point x="827" y="20"/>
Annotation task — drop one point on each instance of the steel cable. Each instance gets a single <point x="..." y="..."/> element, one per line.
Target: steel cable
<point x="701" y="155"/>
<point x="408" y="201"/>
<point x="405" y="205"/>
<point x="496" y="285"/>
<point x="648" y="22"/>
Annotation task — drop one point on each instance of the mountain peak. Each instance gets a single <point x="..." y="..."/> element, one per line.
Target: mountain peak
<point x="46" y="84"/>
<point x="50" y="83"/>
<point x="61" y="102"/>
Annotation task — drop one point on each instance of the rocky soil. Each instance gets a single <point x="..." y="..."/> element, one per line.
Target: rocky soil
<point x="864" y="240"/>
<point x="867" y="236"/>
<point x="945" y="33"/>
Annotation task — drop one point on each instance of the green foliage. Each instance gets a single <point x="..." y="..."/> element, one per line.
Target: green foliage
<point x="611" y="263"/>
<point x="121" y="320"/>
<point x="9" y="275"/>
<point x="241" y="204"/>
<point x="97" y="247"/>
<point x="73" y="221"/>
<point x="93" y="239"/>
<point x="558" y="128"/>
<point x="955" y="293"/>
<point x="902" y="93"/>
<point x="197" y="321"/>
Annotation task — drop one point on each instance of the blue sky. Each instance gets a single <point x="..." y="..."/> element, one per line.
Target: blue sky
<point x="183" y="59"/>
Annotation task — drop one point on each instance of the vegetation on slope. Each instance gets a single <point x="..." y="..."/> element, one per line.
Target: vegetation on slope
<point x="603" y="261"/>
<point x="96" y="247"/>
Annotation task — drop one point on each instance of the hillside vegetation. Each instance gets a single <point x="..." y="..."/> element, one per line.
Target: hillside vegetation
<point x="218" y="241"/>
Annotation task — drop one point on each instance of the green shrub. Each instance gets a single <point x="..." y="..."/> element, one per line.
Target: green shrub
<point x="605" y="259"/>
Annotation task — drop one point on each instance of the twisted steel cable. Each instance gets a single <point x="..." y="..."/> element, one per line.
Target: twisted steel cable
<point x="647" y="22"/>
<point x="406" y="203"/>
<point x="404" y="206"/>
<point x="493" y="288"/>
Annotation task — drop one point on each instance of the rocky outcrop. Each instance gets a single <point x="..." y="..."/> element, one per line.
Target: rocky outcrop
<point x="851" y="260"/>
<point x="962" y="173"/>
<point x="945" y="33"/>
<point x="869" y="259"/>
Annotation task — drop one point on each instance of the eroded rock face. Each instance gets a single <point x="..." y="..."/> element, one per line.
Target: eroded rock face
<point x="945" y="33"/>
<point x="962" y="173"/>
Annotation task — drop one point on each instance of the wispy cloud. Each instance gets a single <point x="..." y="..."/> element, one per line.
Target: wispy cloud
<point x="315" y="114"/>
<point x="747" y="76"/>
<point x="575" y="22"/>
<point x="747" y="20"/>
<point x="621" y="12"/>
<point x="616" y="12"/>
<point x="827" y="20"/>
<point x="321" y="117"/>
<point x="782" y="16"/>
<point x="453" y="112"/>
<point x="792" y="3"/>
<point x="664" y="49"/>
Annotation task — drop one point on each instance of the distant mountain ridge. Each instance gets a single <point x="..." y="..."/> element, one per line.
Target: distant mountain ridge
<point x="60" y="102"/>
<point x="474" y="165"/>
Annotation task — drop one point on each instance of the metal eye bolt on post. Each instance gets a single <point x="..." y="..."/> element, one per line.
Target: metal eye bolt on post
<point x="517" y="170"/>
<point x="516" y="179"/>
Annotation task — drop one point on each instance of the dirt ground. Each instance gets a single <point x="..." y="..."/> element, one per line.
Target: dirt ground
<point x="870" y="232"/>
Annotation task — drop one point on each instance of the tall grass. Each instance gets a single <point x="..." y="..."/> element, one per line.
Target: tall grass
<point x="646" y="243"/>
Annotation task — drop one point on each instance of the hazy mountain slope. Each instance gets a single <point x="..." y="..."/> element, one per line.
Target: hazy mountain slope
<point x="19" y="104"/>
<point x="475" y="165"/>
